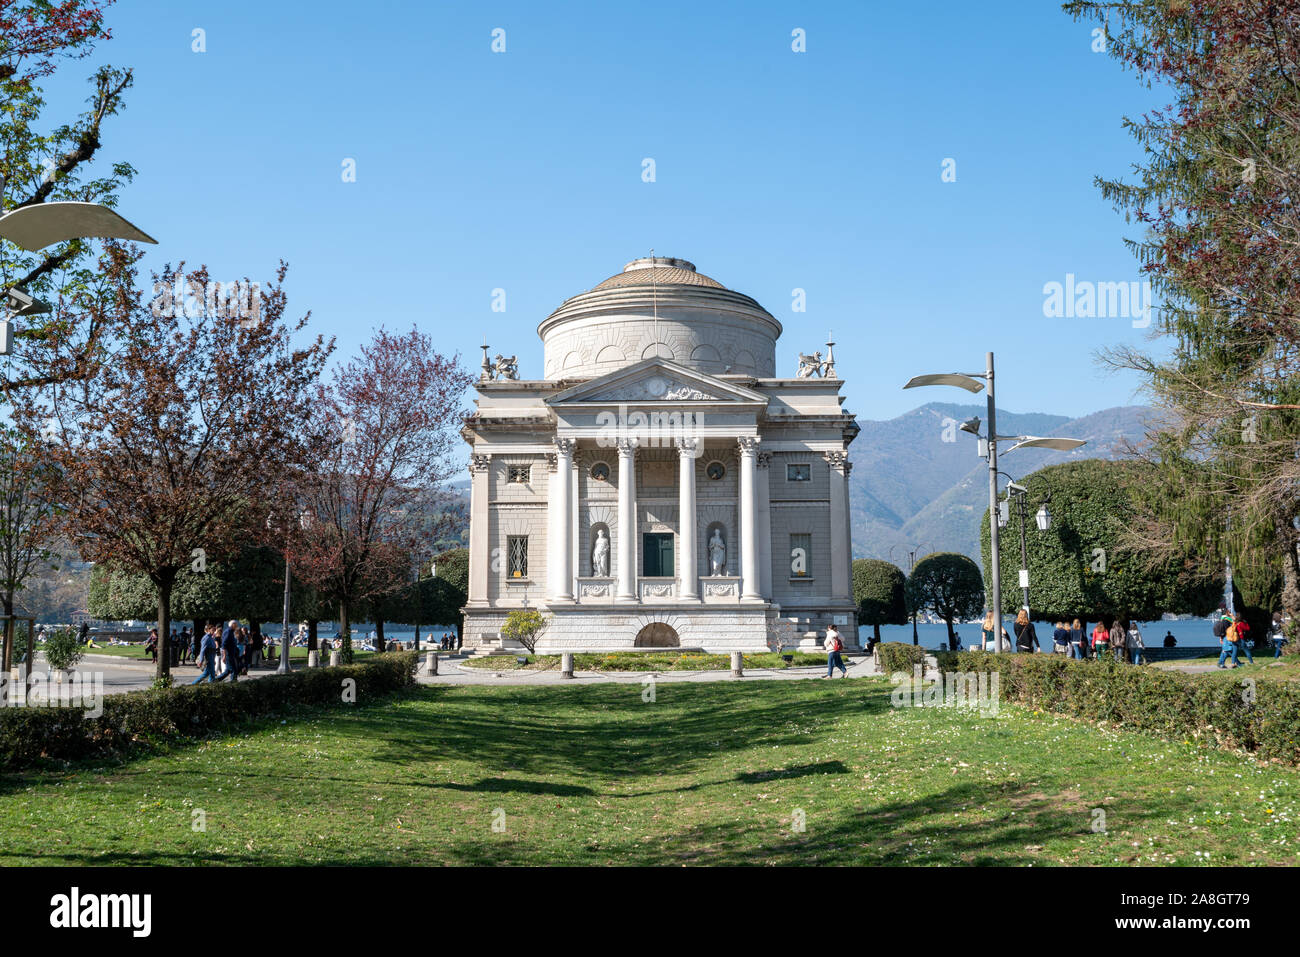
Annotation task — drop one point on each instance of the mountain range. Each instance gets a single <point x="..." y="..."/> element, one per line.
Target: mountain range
<point x="919" y="483"/>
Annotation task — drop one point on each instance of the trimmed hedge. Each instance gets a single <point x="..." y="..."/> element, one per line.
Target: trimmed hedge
<point x="892" y="656"/>
<point x="28" y="734"/>
<point x="1262" y="716"/>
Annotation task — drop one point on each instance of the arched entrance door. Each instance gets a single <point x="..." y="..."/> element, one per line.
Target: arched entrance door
<point x="657" y="635"/>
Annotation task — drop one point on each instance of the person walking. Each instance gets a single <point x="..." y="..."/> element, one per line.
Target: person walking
<point x="1100" y="640"/>
<point x="230" y="647"/>
<point x="1230" y="643"/>
<point x="1026" y="636"/>
<point x="834" y="645"/>
<point x="1278" y="634"/>
<point x="206" y="658"/>
<point x="1061" y="639"/>
<point x="1135" y="643"/>
<point x="1078" y="640"/>
<point x="1119" y="640"/>
<point x="1243" y="637"/>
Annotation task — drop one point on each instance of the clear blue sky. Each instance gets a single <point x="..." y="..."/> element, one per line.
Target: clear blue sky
<point x="522" y="170"/>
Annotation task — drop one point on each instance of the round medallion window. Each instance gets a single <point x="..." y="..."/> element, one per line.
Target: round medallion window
<point x="600" y="472"/>
<point x="715" y="470"/>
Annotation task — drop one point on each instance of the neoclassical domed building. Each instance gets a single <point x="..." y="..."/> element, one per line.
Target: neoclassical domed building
<point x="662" y="485"/>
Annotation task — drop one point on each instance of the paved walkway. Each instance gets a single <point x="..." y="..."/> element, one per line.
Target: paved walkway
<point x="452" y="672"/>
<point x="134" y="675"/>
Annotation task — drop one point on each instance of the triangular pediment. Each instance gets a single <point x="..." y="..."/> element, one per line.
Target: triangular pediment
<point x="656" y="380"/>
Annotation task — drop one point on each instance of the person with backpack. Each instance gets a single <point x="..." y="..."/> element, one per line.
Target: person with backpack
<point x="1230" y="642"/>
<point x="1026" y="636"/>
<point x="834" y="645"/>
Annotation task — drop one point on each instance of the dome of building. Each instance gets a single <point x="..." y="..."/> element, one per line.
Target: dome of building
<point x="659" y="270"/>
<point x="659" y="307"/>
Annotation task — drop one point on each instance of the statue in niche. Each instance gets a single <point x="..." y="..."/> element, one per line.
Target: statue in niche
<point x="600" y="555"/>
<point x="717" y="554"/>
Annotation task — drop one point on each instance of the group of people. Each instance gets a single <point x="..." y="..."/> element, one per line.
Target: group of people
<point x="1233" y="633"/>
<point x="238" y="648"/>
<point x="1121" y="638"/>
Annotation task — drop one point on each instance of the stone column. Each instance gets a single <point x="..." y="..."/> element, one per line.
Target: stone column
<point x="688" y="568"/>
<point x="749" y="584"/>
<point x="841" y="557"/>
<point x="479" y="553"/>
<point x="764" y="520"/>
<point x="560" y="573"/>
<point x="626" y="520"/>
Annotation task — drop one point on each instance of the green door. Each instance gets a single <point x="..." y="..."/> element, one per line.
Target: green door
<point x="657" y="557"/>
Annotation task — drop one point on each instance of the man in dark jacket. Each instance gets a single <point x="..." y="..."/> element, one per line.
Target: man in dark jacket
<point x="230" y="645"/>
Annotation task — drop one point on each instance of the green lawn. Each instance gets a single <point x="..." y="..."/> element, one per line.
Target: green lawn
<point x="645" y="661"/>
<point x="715" y="773"/>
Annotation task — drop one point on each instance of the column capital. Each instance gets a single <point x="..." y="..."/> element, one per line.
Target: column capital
<point x="565" y="446"/>
<point x="552" y="462"/>
<point x="627" y="447"/>
<point x="748" y="444"/>
<point x="688" y="448"/>
<point x="480" y="463"/>
<point x="764" y="459"/>
<point x="838" y="460"/>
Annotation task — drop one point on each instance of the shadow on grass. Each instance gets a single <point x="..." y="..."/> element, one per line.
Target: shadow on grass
<point x="608" y="730"/>
<point x="803" y="770"/>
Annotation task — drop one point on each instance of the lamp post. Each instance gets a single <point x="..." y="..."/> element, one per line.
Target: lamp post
<point x="988" y="448"/>
<point x="284" y="669"/>
<point x="911" y="567"/>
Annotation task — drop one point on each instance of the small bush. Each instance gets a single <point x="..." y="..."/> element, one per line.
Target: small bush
<point x="63" y="650"/>
<point x="1261" y="716"/>
<point x="892" y="656"/>
<point x="140" y="717"/>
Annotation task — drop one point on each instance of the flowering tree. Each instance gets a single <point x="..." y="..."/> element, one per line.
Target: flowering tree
<point x="389" y="419"/>
<point x="164" y="453"/>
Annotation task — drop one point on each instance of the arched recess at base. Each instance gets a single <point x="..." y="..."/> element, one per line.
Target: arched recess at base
<point x="657" y="634"/>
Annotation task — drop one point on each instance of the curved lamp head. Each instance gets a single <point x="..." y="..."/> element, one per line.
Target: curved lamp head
<point x="1037" y="442"/>
<point x="946" y="378"/>
<point x="44" y="224"/>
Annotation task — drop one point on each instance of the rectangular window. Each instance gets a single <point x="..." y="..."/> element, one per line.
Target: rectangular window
<point x="798" y="473"/>
<point x="518" y="474"/>
<point x="517" y="552"/>
<point x="800" y="555"/>
<point x="657" y="557"/>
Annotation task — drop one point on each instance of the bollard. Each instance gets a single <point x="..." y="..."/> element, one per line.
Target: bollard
<point x="566" y="665"/>
<point x="336" y="658"/>
<point x="313" y="659"/>
<point x="737" y="665"/>
<point x="431" y="663"/>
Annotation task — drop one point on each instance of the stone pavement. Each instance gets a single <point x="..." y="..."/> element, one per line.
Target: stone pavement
<point x="134" y="675"/>
<point x="452" y="672"/>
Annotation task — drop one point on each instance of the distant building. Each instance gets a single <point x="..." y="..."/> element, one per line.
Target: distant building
<point x="662" y="486"/>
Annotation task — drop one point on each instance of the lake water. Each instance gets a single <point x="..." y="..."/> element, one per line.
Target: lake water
<point x="1190" y="633"/>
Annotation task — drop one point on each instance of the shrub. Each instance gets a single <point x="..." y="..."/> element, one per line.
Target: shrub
<point x="892" y="656"/>
<point x="63" y="650"/>
<point x="1260" y="716"/>
<point x="142" y="717"/>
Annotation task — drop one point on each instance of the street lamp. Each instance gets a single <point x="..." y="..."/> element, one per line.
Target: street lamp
<point x="911" y="566"/>
<point x="988" y="448"/>
<point x="304" y="519"/>
<point x="43" y="224"/>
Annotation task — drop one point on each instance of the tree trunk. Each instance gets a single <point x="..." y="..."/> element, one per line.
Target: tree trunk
<point x="345" y="633"/>
<point x="417" y="636"/>
<point x="379" y="635"/>
<point x="876" y="626"/>
<point x="164" y="590"/>
<point x="951" y="634"/>
<point x="10" y="632"/>
<point x="311" y="634"/>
